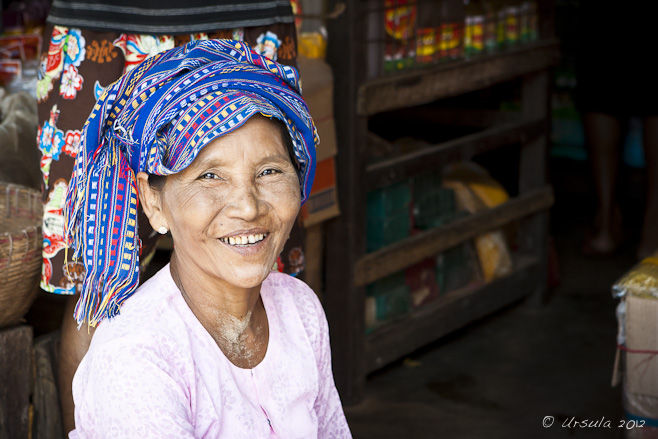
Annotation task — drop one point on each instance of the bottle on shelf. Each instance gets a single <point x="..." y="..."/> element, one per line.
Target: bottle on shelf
<point x="500" y="7"/>
<point x="524" y="22"/>
<point x="426" y="29"/>
<point x="533" y="21"/>
<point x="477" y="28"/>
<point x="490" y="44"/>
<point x="452" y="29"/>
<point x="512" y="25"/>
<point x="400" y="25"/>
<point x="468" y="29"/>
<point x="474" y="28"/>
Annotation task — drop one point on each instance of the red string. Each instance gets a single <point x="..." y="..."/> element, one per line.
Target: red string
<point x="636" y="351"/>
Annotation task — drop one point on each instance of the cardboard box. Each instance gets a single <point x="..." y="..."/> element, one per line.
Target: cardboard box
<point x="318" y="92"/>
<point x="641" y="420"/>
<point x="322" y="203"/>
<point x="641" y="371"/>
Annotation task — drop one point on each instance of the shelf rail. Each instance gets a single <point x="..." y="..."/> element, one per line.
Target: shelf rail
<point x="448" y="313"/>
<point x="445" y="80"/>
<point x="395" y="257"/>
<point x="400" y="168"/>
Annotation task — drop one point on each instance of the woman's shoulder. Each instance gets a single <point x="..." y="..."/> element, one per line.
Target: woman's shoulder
<point x="150" y="312"/>
<point x="147" y="332"/>
<point x="291" y="298"/>
<point x="281" y="287"/>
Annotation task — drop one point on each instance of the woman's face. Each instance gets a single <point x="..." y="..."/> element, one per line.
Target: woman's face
<point x="230" y="212"/>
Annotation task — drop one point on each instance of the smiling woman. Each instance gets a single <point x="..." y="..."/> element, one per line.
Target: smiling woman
<point x="215" y="344"/>
<point x="230" y="213"/>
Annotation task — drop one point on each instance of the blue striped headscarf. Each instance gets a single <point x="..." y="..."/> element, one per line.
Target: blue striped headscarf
<point x="156" y="119"/>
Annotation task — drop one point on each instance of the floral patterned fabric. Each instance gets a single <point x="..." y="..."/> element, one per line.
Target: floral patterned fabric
<point x="76" y="66"/>
<point x="155" y="372"/>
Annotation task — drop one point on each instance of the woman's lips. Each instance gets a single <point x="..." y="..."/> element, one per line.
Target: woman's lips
<point x="249" y="248"/>
<point x="243" y="238"/>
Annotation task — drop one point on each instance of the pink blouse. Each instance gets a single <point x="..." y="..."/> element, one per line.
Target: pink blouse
<point x="155" y="372"/>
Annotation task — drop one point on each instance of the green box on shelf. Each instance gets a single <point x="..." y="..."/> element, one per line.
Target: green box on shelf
<point x="425" y="182"/>
<point x="383" y="232"/>
<point x="385" y="202"/>
<point x="433" y="208"/>
<point x="388" y="283"/>
<point x="457" y="267"/>
<point x="391" y="296"/>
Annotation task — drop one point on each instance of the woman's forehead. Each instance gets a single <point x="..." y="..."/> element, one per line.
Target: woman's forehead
<point x="258" y="137"/>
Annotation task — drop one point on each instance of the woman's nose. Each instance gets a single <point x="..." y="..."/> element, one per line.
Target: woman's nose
<point x="244" y="203"/>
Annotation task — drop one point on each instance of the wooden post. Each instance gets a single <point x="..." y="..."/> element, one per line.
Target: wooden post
<point x="533" y="232"/>
<point x="344" y="303"/>
<point x="16" y="369"/>
<point x="47" y="422"/>
<point x="314" y="241"/>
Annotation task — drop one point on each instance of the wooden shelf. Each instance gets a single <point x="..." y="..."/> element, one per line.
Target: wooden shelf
<point x="403" y="254"/>
<point x="448" y="313"/>
<point x="387" y="172"/>
<point x="357" y="100"/>
<point x="451" y="79"/>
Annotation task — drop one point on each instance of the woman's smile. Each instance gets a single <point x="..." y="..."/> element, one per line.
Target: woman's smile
<point x="244" y="240"/>
<point x="246" y="244"/>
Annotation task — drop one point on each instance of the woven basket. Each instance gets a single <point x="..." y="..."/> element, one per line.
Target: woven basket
<point x="21" y="214"/>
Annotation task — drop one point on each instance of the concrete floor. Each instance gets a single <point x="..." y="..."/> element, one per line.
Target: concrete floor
<point x="499" y="377"/>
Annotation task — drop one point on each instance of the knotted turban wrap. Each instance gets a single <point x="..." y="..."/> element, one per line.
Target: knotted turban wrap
<point x="156" y="119"/>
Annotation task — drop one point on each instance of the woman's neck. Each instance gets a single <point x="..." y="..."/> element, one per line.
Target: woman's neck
<point x="234" y="317"/>
<point x="211" y="295"/>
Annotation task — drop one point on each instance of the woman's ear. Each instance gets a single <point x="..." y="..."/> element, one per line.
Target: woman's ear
<point x="151" y="200"/>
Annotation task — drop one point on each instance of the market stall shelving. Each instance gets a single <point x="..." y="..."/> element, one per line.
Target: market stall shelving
<point x="403" y="336"/>
<point x="349" y="267"/>
<point x="400" y="255"/>
<point x="400" y="168"/>
<point x="453" y="78"/>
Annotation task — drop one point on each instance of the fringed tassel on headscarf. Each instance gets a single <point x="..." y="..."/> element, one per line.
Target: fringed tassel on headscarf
<point x="105" y="227"/>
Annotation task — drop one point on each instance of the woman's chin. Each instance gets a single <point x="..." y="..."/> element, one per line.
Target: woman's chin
<point x="247" y="277"/>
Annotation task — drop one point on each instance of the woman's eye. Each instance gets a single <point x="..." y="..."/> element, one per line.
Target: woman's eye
<point x="208" y="175"/>
<point x="270" y="172"/>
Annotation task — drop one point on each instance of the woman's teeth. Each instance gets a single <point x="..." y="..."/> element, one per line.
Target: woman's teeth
<point x="244" y="239"/>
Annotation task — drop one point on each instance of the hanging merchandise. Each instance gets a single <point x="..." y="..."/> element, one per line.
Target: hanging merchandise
<point x="400" y="25"/>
